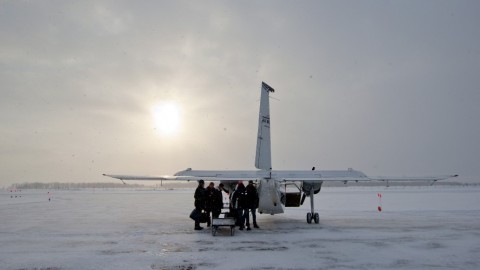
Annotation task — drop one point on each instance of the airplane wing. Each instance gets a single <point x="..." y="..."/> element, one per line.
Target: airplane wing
<point x="192" y="175"/>
<point x="145" y="178"/>
<point x="286" y="176"/>
<point x="370" y="179"/>
<point x="412" y="179"/>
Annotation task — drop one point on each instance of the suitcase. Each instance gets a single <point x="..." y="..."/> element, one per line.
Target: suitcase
<point x="194" y="214"/>
<point x="204" y="218"/>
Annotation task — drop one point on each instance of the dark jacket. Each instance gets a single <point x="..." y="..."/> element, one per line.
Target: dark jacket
<point x="251" y="197"/>
<point x="218" y="201"/>
<point x="199" y="197"/>
<point x="238" y="197"/>
<point x="209" y="198"/>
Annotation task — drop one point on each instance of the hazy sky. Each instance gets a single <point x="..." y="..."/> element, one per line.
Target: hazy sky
<point x="386" y="87"/>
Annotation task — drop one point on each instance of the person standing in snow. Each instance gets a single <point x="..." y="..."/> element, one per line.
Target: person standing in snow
<point x="217" y="204"/>
<point x="199" y="203"/>
<point x="238" y="202"/>
<point x="209" y="200"/>
<point x="251" y="203"/>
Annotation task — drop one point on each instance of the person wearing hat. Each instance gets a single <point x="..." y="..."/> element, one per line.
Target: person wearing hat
<point x="251" y="203"/>
<point x="199" y="203"/>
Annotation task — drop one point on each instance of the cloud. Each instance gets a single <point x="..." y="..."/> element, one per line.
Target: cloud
<point x="384" y="87"/>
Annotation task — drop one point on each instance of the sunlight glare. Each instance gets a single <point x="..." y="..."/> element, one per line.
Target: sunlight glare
<point x="166" y="117"/>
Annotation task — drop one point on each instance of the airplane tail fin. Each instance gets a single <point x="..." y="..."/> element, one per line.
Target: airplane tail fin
<point x="263" y="159"/>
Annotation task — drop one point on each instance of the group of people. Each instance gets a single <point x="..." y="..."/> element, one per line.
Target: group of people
<point x="209" y="200"/>
<point x="243" y="201"/>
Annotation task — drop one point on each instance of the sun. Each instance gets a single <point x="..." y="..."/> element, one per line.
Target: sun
<point x="166" y="118"/>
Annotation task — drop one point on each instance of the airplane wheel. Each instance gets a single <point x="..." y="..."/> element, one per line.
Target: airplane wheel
<point x="309" y="218"/>
<point x="316" y="217"/>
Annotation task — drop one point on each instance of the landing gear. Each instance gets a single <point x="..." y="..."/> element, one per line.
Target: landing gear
<point x="316" y="217"/>
<point x="312" y="215"/>
<point x="309" y="218"/>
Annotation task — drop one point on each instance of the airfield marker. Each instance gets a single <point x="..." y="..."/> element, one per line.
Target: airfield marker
<point x="379" y="195"/>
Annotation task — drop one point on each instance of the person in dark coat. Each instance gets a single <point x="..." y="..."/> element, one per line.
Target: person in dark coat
<point x="217" y="204"/>
<point x="199" y="203"/>
<point x="210" y="200"/>
<point x="251" y="201"/>
<point x="238" y="202"/>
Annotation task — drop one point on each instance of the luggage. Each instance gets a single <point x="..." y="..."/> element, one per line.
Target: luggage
<point x="204" y="218"/>
<point x="194" y="214"/>
<point x="231" y="214"/>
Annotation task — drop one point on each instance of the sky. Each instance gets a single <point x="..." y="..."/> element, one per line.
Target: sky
<point x="391" y="88"/>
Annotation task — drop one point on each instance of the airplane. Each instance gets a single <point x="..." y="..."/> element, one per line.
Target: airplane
<point x="272" y="184"/>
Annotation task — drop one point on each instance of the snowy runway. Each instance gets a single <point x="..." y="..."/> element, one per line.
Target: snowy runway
<point x="419" y="228"/>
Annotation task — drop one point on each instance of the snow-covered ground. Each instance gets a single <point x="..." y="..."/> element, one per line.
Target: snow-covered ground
<point x="419" y="228"/>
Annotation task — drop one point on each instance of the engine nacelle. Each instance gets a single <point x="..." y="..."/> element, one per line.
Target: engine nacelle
<point x="307" y="187"/>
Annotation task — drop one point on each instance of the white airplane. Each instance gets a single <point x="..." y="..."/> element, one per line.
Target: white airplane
<point x="272" y="184"/>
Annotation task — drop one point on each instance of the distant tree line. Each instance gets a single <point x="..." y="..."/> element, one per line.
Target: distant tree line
<point x="58" y="185"/>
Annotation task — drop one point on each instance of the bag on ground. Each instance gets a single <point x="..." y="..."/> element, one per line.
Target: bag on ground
<point x="194" y="214"/>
